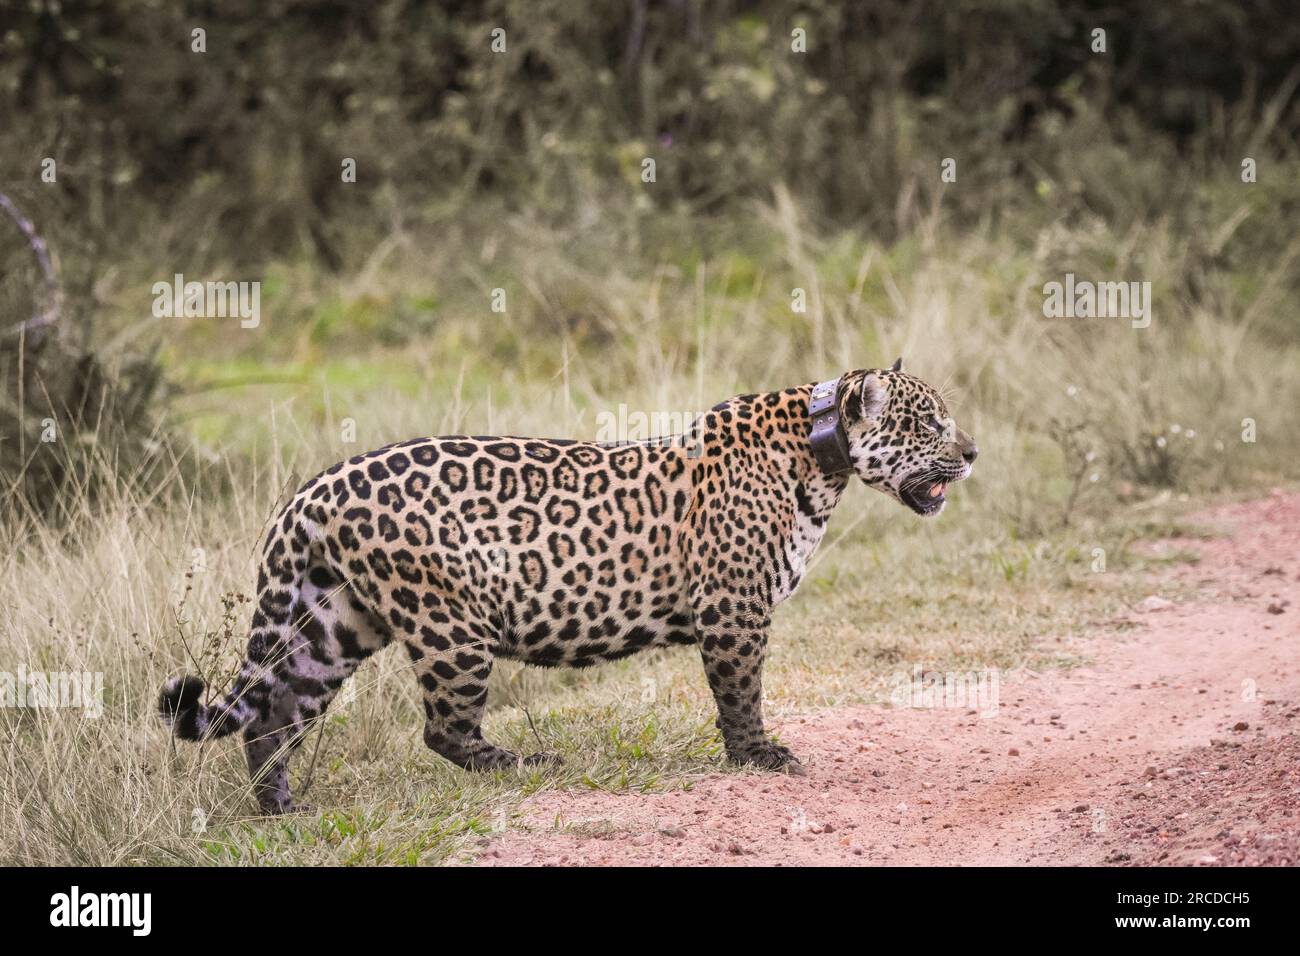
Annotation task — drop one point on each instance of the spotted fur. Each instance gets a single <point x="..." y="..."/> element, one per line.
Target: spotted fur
<point x="558" y="553"/>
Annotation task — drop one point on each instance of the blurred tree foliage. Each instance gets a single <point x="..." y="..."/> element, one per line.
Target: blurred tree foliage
<point x="237" y="151"/>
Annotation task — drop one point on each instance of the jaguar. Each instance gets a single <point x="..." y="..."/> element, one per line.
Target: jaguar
<point x="564" y="553"/>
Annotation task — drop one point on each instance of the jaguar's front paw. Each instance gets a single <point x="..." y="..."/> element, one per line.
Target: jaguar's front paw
<point x="768" y="755"/>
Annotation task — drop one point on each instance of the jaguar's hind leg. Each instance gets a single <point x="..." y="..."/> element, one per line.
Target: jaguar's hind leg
<point x="330" y="633"/>
<point x="453" y="663"/>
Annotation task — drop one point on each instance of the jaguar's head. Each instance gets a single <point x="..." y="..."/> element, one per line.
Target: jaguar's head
<point x="901" y="438"/>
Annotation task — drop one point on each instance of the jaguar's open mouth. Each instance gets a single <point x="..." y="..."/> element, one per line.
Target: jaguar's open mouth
<point x="924" y="496"/>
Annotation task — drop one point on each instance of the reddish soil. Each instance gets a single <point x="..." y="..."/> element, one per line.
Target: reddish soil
<point x="1176" y="744"/>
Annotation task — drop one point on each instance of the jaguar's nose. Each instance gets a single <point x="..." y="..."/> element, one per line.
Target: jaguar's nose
<point x="970" y="454"/>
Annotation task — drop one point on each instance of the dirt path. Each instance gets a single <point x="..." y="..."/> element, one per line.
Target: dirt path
<point x="1176" y="745"/>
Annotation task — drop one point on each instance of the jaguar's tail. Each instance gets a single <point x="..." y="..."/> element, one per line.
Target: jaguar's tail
<point x="180" y="708"/>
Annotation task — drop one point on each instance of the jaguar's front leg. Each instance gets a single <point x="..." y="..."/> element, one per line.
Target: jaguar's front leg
<point x="733" y="643"/>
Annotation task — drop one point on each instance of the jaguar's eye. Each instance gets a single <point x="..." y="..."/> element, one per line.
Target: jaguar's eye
<point x="936" y="426"/>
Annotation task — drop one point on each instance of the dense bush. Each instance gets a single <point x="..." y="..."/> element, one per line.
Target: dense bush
<point x="238" y="150"/>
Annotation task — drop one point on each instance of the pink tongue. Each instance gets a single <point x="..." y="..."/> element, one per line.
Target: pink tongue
<point x="936" y="491"/>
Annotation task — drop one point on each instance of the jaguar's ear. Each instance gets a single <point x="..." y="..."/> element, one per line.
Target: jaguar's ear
<point x="870" y="398"/>
<point x="898" y="365"/>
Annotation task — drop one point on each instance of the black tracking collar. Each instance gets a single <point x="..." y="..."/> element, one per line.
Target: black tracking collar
<point x="830" y="445"/>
